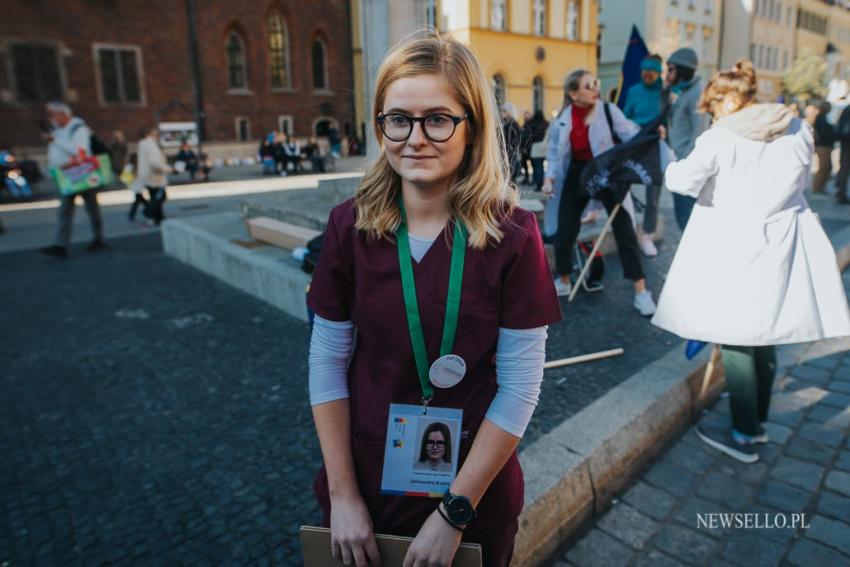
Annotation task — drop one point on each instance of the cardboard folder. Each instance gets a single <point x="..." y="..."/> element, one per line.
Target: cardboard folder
<point x="316" y="549"/>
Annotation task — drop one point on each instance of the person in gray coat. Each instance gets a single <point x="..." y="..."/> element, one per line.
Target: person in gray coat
<point x="682" y="89"/>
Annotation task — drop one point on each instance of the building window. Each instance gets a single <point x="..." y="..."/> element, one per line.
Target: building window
<point x="573" y="21"/>
<point x="118" y="69"/>
<point x="243" y="129"/>
<point x="431" y="13"/>
<point x="760" y="57"/>
<point x="499" y="90"/>
<point x="537" y="91"/>
<point x="35" y="68"/>
<point x="285" y="124"/>
<point x="498" y="15"/>
<point x="785" y="59"/>
<point x="320" y="68"/>
<point x="788" y="15"/>
<point x="279" y="51"/>
<point x="237" y="66"/>
<point x="539" y="17"/>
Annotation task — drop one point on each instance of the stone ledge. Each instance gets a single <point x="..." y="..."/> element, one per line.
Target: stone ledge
<point x="207" y="243"/>
<point x="574" y="471"/>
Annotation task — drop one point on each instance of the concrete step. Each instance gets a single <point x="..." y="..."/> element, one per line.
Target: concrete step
<point x="219" y="244"/>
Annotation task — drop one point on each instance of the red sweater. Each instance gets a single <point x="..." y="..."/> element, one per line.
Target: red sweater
<point x="579" y="138"/>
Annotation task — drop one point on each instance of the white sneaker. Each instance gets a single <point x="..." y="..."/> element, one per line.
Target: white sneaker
<point x="647" y="246"/>
<point x="563" y="288"/>
<point x="645" y="304"/>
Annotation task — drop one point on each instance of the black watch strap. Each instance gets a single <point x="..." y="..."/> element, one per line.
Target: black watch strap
<point x="447" y="519"/>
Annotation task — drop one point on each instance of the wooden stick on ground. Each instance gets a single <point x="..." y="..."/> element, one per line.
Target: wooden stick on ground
<point x="583" y="358"/>
<point x="596" y="245"/>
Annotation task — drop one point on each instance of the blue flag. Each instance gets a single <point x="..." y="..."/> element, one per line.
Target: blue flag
<point x="636" y="52"/>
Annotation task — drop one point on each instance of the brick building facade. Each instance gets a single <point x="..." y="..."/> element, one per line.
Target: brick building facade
<point x="121" y="64"/>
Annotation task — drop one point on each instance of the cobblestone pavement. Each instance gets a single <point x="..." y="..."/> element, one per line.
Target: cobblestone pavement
<point x="150" y="414"/>
<point x="805" y="469"/>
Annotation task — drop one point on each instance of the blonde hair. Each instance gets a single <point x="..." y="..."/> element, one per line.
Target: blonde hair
<point x="481" y="196"/>
<point x="736" y="85"/>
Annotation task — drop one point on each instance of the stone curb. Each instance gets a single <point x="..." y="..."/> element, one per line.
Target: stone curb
<point x="573" y="472"/>
<point x="268" y="273"/>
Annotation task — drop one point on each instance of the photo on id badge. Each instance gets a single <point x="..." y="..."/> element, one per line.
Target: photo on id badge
<point x="420" y="458"/>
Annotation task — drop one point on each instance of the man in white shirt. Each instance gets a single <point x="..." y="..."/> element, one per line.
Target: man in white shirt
<point x="68" y="136"/>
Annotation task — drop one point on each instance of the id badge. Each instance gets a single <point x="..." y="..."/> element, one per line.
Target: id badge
<point x="420" y="458"/>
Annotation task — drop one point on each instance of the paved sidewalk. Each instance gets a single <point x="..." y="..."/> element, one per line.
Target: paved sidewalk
<point x="805" y="469"/>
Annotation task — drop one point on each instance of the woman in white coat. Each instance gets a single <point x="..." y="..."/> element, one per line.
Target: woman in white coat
<point x="153" y="170"/>
<point x="581" y="132"/>
<point x="754" y="268"/>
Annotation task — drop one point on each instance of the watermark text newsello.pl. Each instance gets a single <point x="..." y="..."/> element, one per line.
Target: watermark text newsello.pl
<point x="751" y="521"/>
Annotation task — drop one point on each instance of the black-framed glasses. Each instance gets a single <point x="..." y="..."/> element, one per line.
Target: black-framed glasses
<point x="437" y="127"/>
<point x="437" y="444"/>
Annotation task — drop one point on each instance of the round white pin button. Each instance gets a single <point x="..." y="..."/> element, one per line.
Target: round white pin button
<point x="447" y="371"/>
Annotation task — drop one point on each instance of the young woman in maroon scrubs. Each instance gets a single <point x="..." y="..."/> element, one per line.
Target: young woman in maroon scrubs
<point x="441" y="175"/>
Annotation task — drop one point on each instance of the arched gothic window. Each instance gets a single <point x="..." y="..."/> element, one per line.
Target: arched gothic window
<point x="320" y="69"/>
<point x="237" y="68"/>
<point x="279" y="51"/>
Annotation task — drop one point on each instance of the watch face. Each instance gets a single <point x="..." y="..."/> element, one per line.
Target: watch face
<point x="460" y="510"/>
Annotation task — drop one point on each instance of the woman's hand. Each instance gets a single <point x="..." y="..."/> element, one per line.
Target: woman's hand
<point x="662" y="132"/>
<point x="352" y="540"/>
<point x="548" y="187"/>
<point x="435" y="544"/>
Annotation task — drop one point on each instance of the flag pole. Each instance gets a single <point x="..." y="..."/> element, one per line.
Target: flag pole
<point x="592" y="255"/>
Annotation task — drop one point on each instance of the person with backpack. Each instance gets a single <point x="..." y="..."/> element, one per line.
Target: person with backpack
<point x="153" y="171"/>
<point x="682" y="89"/>
<point x="843" y="135"/>
<point x="67" y="138"/>
<point x="588" y="127"/>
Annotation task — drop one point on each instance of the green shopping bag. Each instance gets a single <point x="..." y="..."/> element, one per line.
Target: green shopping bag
<point x="82" y="174"/>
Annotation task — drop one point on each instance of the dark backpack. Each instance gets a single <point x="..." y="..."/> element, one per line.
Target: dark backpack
<point x="314" y="250"/>
<point x="97" y="145"/>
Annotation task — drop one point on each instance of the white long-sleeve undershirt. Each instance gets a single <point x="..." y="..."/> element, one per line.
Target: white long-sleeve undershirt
<point x="519" y="370"/>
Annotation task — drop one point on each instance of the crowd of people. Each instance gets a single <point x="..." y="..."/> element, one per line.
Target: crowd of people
<point x="282" y="154"/>
<point x="435" y="222"/>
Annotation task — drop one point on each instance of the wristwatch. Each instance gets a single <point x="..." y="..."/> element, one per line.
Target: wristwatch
<point x="458" y="509"/>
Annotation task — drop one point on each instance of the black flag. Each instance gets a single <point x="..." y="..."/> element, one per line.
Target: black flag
<point x="635" y="161"/>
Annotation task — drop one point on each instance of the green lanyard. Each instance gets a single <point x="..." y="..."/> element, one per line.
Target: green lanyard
<point x="408" y="284"/>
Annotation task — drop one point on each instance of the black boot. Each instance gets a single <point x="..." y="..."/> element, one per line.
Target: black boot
<point x="96" y="245"/>
<point x="55" y="251"/>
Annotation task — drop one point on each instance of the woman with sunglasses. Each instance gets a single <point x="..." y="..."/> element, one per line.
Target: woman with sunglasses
<point x="583" y="131"/>
<point x="445" y="280"/>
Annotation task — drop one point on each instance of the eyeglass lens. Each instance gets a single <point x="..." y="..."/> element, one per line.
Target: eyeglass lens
<point x="437" y="127"/>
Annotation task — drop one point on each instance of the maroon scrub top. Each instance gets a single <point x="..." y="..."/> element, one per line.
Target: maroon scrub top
<point x="505" y="285"/>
